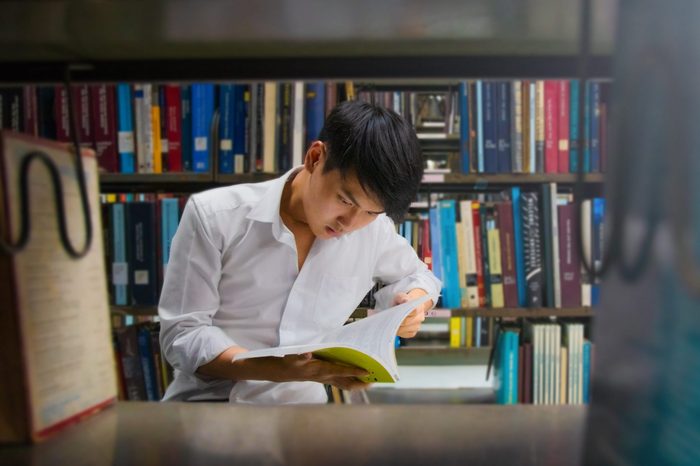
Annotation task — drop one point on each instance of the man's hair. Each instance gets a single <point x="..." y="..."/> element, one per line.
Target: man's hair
<point x="380" y="148"/>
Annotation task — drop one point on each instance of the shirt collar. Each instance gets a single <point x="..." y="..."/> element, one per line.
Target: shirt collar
<point x="268" y="207"/>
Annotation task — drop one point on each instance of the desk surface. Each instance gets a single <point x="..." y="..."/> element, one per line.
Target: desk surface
<point x="215" y="433"/>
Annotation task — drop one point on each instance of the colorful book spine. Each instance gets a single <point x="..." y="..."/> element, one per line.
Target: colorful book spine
<point x="502" y="90"/>
<point x="81" y="99"/>
<point x="157" y="142"/>
<point x="570" y="265"/>
<point x="504" y="211"/>
<point x="464" y="153"/>
<point x="226" y="128"/>
<point x="532" y="248"/>
<point x="186" y="142"/>
<point x="517" y="126"/>
<point x="30" y="110"/>
<point x="595" y="127"/>
<point x="452" y="296"/>
<point x="518" y="240"/>
<point x="315" y="110"/>
<point x="120" y="264"/>
<point x="61" y="115"/>
<point x="598" y="237"/>
<point x="539" y="127"/>
<point x="551" y="126"/>
<point x="104" y="126"/>
<point x="143" y="128"/>
<point x="169" y="218"/>
<point x="436" y="245"/>
<point x="495" y="268"/>
<point x="490" y="127"/>
<point x="284" y="128"/>
<point x="141" y="248"/>
<point x="479" y="98"/>
<point x="164" y="122"/>
<point x="478" y="256"/>
<point x="241" y="99"/>
<point x="563" y="126"/>
<point x="574" y="153"/>
<point x="586" y="370"/>
<point x="202" y="114"/>
<point x="173" y="114"/>
<point x="145" y="354"/>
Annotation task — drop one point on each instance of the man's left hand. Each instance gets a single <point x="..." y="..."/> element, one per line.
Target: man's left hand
<point x="411" y="324"/>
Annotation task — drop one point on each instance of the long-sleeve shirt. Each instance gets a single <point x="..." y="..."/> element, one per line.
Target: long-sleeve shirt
<point x="233" y="280"/>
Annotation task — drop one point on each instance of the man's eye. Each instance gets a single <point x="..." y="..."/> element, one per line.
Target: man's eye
<point x="344" y="201"/>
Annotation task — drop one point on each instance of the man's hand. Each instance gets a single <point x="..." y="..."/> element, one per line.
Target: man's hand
<point x="411" y="324"/>
<point x="302" y="367"/>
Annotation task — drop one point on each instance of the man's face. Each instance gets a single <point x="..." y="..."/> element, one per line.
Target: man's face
<point x="335" y="205"/>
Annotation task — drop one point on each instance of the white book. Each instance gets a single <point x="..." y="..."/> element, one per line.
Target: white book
<point x="556" y="360"/>
<point x="367" y="343"/>
<point x="465" y="207"/>
<point x="586" y="238"/>
<point x="298" y="149"/>
<point x="144" y="131"/>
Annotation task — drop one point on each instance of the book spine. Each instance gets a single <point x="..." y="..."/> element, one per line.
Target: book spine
<point x="586" y="231"/>
<point x="471" y="277"/>
<point x="480" y="126"/>
<point x="30" y="110"/>
<point x="519" y="243"/>
<point x="505" y="227"/>
<point x="548" y="248"/>
<point x="598" y="236"/>
<point x="315" y="110"/>
<point x="556" y="256"/>
<point x="586" y="382"/>
<point x="527" y="146"/>
<point x="563" y="126"/>
<point x="551" y="127"/>
<point x="436" y="246"/>
<point x="120" y="265"/>
<point x="517" y="130"/>
<point x="284" y="131"/>
<point x="490" y="127"/>
<point x="157" y="358"/>
<point x="586" y="127"/>
<point x="478" y="256"/>
<point x="186" y="142"/>
<point x="164" y="123"/>
<point x="144" y="132"/>
<point x="104" y="126"/>
<point x="241" y="99"/>
<point x="539" y="126"/>
<point x="202" y="114"/>
<point x="45" y="101"/>
<point x="532" y="248"/>
<point x="298" y="137"/>
<point x="156" y="138"/>
<point x="503" y="125"/>
<point x="495" y="272"/>
<point x="595" y="127"/>
<point x="61" y="115"/>
<point x="173" y="112"/>
<point x="81" y="99"/>
<point x="145" y="354"/>
<point x="452" y="296"/>
<point x="464" y="153"/>
<point x="127" y="338"/>
<point x="140" y="221"/>
<point x="570" y="270"/>
<point x="226" y="128"/>
<point x="270" y="118"/>
<point x="574" y="152"/>
<point x="125" y="134"/>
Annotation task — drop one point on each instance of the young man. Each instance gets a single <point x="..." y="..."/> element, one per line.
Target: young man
<point x="280" y="262"/>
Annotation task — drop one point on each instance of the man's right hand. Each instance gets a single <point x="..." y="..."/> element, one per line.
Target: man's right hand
<point x="301" y="367"/>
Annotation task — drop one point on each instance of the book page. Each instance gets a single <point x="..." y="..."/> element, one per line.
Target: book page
<point x="372" y="335"/>
<point x="63" y="304"/>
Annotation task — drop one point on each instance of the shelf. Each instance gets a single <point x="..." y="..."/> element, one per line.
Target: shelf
<point x="360" y="313"/>
<point x="441" y="356"/>
<point x="485" y="179"/>
<point x="242" y="40"/>
<point x="175" y="182"/>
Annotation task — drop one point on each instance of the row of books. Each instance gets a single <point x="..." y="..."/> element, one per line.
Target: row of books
<point x="516" y="126"/>
<point x="157" y="128"/>
<point x="543" y="363"/>
<point x="143" y="374"/>
<point x="137" y="232"/>
<point x="511" y="249"/>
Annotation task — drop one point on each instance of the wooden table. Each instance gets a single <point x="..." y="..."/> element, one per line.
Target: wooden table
<point x="217" y="433"/>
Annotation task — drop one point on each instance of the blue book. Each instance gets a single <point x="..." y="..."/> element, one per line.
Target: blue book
<point x="241" y="100"/>
<point x="573" y="125"/>
<point x="597" y="238"/>
<point x="436" y="244"/>
<point x="513" y="364"/>
<point x="587" y="127"/>
<point x="186" y="143"/>
<point x="464" y="154"/>
<point x="448" y="237"/>
<point x="147" y="366"/>
<point x="595" y="128"/>
<point x="503" y="128"/>
<point x="125" y="128"/>
<point x="408" y="231"/>
<point x="202" y="96"/>
<point x="477" y="332"/>
<point x="488" y="104"/>
<point x="170" y="213"/>
<point x="315" y="107"/>
<point x="586" y="382"/>
<point x="141" y="250"/>
<point x="479" y="126"/>
<point x="519" y="246"/>
<point x="226" y="128"/>
<point x="120" y="265"/>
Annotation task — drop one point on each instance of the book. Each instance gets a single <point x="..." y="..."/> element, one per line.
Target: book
<point x="56" y="362"/>
<point x="367" y="343"/>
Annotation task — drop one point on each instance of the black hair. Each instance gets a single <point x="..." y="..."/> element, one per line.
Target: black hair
<point x="380" y="148"/>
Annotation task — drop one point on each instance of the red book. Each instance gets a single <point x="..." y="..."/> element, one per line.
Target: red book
<point x="104" y="126"/>
<point x="569" y="263"/>
<point x="563" y="126"/>
<point x="61" y="115"/>
<point x="31" y="111"/>
<point x="551" y="124"/>
<point x="504" y="211"/>
<point x="426" y="252"/>
<point x="81" y="105"/>
<point x="173" y="103"/>
<point x="476" y="223"/>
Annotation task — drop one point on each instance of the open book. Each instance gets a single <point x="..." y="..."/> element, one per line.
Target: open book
<point x="367" y="343"/>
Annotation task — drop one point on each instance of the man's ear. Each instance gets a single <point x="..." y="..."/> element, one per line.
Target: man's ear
<point x="314" y="155"/>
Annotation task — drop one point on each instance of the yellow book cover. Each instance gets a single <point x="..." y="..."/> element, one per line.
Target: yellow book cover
<point x="367" y="343"/>
<point x="495" y="272"/>
<point x="157" y="147"/>
<point x="455" y="331"/>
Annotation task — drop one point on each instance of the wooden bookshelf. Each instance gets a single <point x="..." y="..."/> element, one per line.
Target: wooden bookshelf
<point x="515" y="312"/>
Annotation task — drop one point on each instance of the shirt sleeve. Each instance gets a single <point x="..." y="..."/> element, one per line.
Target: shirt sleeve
<point x="399" y="268"/>
<point x="190" y="296"/>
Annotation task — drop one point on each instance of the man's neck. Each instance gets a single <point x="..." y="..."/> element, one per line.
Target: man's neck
<point x="291" y="204"/>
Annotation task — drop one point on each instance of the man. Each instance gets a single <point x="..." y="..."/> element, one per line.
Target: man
<point x="283" y="261"/>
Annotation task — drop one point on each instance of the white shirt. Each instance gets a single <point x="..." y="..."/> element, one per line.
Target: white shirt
<point x="233" y="280"/>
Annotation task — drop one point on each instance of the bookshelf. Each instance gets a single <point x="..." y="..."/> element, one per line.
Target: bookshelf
<point x="384" y="54"/>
